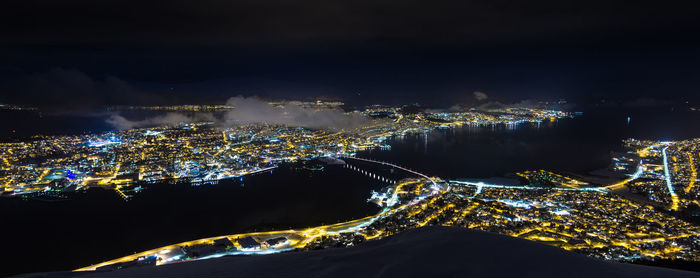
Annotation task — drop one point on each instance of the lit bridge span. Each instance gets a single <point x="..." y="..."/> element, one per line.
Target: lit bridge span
<point x="395" y="166"/>
<point x="370" y="174"/>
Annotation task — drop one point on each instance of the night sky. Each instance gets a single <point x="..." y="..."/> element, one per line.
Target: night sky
<point x="77" y="54"/>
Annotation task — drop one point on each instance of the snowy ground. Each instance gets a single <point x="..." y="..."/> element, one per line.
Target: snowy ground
<point x="423" y="252"/>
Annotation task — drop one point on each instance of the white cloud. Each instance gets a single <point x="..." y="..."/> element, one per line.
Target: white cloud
<point x="120" y="122"/>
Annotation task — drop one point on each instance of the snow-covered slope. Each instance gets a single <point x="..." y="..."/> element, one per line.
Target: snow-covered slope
<point x="424" y="252"/>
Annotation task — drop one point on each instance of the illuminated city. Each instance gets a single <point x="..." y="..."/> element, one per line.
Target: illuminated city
<point x="204" y="153"/>
<point x="627" y="212"/>
<point x="546" y="207"/>
<point x="344" y="139"/>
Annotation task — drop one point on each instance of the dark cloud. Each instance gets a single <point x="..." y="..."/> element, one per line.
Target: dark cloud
<point x="479" y="96"/>
<point x="647" y="102"/>
<point x="66" y="90"/>
<point x="275" y="22"/>
<point x="379" y="51"/>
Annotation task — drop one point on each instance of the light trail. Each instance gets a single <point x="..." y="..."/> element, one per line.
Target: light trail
<point x="634" y="176"/>
<point x="481" y="185"/>
<point x="329" y="135"/>
<point x="399" y="118"/>
<point x="693" y="173"/>
<point x="667" y="177"/>
<point x="43" y="174"/>
<point x="259" y="170"/>
<point x="118" y="189"/>
<point x="106" y="180"/>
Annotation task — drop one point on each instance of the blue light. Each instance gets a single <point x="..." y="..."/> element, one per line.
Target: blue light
<point x="70" y="175"/>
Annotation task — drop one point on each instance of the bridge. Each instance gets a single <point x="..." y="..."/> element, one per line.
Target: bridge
<point x="395" y="166"/>
<point x="370" y="174"/>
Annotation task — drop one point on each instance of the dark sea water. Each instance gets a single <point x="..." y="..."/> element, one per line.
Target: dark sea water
<point x="580" y="145"/>
<point x="17" y="125"/>
<point x="97" y="225"/>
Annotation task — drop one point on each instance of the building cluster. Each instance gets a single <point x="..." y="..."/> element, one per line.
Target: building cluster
<point x="595" y="222"/>
<point x="599" y="220"/>
<point x="205" y="153"/>
<point x="667" y="172"/>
